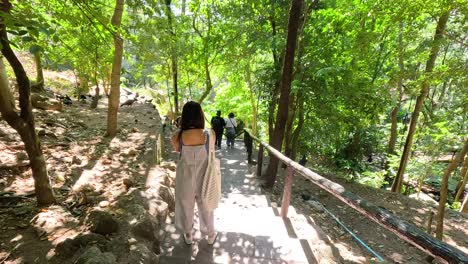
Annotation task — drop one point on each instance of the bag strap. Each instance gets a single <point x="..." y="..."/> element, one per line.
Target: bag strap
<point x="180" y="142"/>
<point x="231" y="123"/>
<point x="207" y="140"/>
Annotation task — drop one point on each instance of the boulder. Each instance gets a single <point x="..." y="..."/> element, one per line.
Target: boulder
<point x="76" y="160"/>
<point x="168" y="166"/>
<point x="93" y="255"/>
<point x="53" y="220"/>
<point x="140" y="253"/>
<point x="41" y="131"/>
<point x="70" y="246"/>
<point x="167" y="195"/>
<point x="101" y="222"/>
<point x="145" y="228"/>
<point x="45" y="103"/>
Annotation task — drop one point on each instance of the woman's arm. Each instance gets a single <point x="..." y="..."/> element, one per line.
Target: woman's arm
<point x="175" y="141"/>
<point x="213" y="136"/>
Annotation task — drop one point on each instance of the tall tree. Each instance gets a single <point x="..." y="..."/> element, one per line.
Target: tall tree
<point x="114" y="96"/>
<point x="24" y="122"/>
<point x="282" y="115"/>
<point x="253" y="100"/>
<point x="39" y="85"/>
<point x="401" y="66"/>
<point x="463" y="180"/>
<point x="444" y="189"/>
<point x="272" y="104"/>
<point x="436" y="43"/>
<point x="173" y="50"/>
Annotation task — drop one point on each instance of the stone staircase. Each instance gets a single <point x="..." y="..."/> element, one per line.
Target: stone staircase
<point x="249" y="227"/>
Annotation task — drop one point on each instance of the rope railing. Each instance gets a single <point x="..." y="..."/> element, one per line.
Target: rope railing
<point x="440" y="250"/>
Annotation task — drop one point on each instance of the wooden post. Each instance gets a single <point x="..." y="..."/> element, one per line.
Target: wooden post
<point x="287" y="192"/>
<point x="260" y="160"/>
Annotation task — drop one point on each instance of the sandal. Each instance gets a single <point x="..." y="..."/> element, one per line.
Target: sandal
<point x="211" y="239"/>
<point x="187" y="239"/>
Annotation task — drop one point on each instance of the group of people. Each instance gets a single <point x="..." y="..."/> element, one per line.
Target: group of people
<point x="196" y="147"/>
<point x="220" y="124"/>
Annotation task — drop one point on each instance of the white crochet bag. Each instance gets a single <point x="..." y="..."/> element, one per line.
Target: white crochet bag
<point x="211" y="188"/>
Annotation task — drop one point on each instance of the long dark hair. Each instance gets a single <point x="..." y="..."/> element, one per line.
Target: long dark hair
<point x="192" y="117"/>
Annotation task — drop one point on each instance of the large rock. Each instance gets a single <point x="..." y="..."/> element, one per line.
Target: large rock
<point x="145" y="228"/>
<point x="56" y="220"/>
<point x="93" y="255"/>
<point x="102" y="222"/>
<point x="167" y="194"/>
<point x="69" y="247"/>
<point x="141" y="254"/>
<point x="45" y="103"/>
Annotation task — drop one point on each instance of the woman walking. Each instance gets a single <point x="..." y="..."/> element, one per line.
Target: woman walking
<point x="192" y="141"/>
<point x="231" y="126"/>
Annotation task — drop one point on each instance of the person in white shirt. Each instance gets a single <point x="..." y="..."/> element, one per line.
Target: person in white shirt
<point x="231" y="126"/>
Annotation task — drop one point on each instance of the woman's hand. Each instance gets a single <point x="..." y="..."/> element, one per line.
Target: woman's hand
<point x="175" y="141"/>
<point x="212" y="142"/>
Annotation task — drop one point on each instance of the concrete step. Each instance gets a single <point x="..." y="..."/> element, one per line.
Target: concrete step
<point x="245" y="200"/>
<point x="223" y="260"/>
<point x="231" y="247"/>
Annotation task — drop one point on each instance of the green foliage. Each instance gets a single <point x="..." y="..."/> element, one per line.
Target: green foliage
<point x="374" y="179"/>
<point x="347" y="67"/>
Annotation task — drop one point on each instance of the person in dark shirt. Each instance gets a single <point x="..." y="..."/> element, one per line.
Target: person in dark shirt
<point x="218" y="124"/>
<point x="248" y="146"/>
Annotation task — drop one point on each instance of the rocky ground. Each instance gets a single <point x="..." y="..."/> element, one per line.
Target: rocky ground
<point x="111" y="195"/>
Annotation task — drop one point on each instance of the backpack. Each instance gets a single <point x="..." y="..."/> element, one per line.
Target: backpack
<point x="217" y="123"/>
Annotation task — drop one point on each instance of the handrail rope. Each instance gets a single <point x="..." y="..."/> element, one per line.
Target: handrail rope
<point x="353" y="235"/>
<point x="440" y="250"/>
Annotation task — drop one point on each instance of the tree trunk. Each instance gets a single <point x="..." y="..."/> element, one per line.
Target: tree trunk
<point x="464" y="207"/>
<point x="441" y="24"/>
<point x="106" y="82"/>
<point x="282" y="115"/>
<point x="393" y="129"/>
<point x="174" y="66"/>
<point x="277" y="69"/>
<point x="300" y="125"/>
<point x="464" y="175"/>
<point x="401" y="65"/>
<point x="444" y="189"/>
<point x="95" y="101"/>
<point x="171" y="109"/>
<point x="114" y="96"/>
<point x="248" y="77"/>
<point x="7" y="101"/>
<point x="289" y="126"/>
<point x="174" y="83"/>
<point x="208" y="84"/>
<point x="39" y="85"/>
<point x="23" y="123"/>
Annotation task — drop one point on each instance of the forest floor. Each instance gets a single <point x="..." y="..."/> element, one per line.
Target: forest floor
<point x="87" y="171"/>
